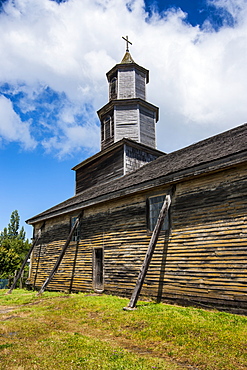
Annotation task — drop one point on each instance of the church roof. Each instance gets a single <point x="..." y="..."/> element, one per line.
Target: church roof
<point x="221" y="151"/>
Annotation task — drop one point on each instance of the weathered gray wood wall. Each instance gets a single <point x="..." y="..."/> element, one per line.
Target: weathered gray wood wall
<point x="126" y="84"/>
<point x="101" y="170"/>
<point x="140" y="85"/>
<point x="131" y="84"/>
<point x="126" y="118"/>
<point x="136" y="158"/>
<point x="203" y="259"/>
<point x="147" y="127"/>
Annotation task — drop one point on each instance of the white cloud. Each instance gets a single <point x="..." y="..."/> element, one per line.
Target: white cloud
<point x="12" y="128"/>
<point x="74" y="139"/>
<point x="75" y="130"/>
<point x="235" y="8"/>
<point x="198" y="77"/>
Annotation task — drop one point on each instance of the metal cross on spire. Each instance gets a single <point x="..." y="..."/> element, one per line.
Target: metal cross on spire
<point x="127" y="42"/>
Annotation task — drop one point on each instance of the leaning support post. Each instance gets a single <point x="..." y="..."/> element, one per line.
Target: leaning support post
<point x="59" y="260"/>
<point x="17" y="277"/>
<point x="149" y="254"/>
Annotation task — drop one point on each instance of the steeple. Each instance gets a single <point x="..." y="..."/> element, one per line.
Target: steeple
<point x="127" y="127"/>
<point x="128" y="114"/>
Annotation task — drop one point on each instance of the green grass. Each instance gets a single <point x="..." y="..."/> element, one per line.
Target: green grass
<point x="81" y="331"/>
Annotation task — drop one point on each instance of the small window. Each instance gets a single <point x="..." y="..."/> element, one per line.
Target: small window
<point x="102" y="131"/>
<point x="154" y="207"/>
<point x="113" y="88"/>
<point x="107" y="125"/>
<point x="76" y="234"/>
<point x="112" y="126"/>
<point x="107" y="128"/>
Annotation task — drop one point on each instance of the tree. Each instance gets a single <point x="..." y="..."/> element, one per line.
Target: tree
<point x="13" y="246"/>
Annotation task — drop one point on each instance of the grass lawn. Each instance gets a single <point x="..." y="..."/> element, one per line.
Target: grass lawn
<point x="87" y="331"/>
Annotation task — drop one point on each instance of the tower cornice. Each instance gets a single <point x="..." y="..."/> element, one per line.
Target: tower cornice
<point x="123" y="102"/>
<point x="125" y="66"/>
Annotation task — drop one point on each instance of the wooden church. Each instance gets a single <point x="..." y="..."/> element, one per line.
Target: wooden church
<point x="201" y="252"/>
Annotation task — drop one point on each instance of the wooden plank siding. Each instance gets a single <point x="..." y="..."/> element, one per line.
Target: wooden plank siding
<point x="203" y="259"/>
<point x="127" y="122"/>
<point x="136" y="158"/>
<point x="206" y="257"/>
<point x="147" y="127"/>
<point x="101" y="170"/>
<point x="140" y="84"/>
<point x="126" y="83"/>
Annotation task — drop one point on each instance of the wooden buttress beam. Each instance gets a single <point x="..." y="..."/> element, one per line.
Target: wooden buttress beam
<point x="17" y="277"/>
<point x="60" y="257"/>
<point x="150" y="251"/>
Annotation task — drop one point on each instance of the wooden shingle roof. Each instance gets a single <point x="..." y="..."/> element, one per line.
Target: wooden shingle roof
<point x="212" y="154"/>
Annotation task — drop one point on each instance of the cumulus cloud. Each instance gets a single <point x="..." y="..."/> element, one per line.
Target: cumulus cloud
<point x="12" y="128"/>
<point x="57" y="56"/>
<point x="74" y="128"/>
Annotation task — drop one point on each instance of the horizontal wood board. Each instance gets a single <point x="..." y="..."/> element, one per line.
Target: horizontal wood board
<point x="203" y="260"/>
<point x="126" y="84"/>
<point x="101" y="170"/>
<point x="127" y="123"/>
<point x="135" y="158"/>
<point x="147" y="126"/>
<point x="140" y="84"/>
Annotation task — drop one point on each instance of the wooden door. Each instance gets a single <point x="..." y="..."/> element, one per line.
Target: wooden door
<point x="98" y="269"/>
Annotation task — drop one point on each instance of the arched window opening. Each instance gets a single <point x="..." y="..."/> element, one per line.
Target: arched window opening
<point x="112" y="127"/>
<point x="107" y="126"/>
<point x="113" y="88"/>
<point x="102" y="131"/>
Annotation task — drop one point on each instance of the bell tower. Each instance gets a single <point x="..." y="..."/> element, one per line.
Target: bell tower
<point x="127" y="127"/>
<point x="127" y="113"/>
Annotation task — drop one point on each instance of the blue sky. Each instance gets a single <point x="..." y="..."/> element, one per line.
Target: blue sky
<point x="54" y="56"/>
